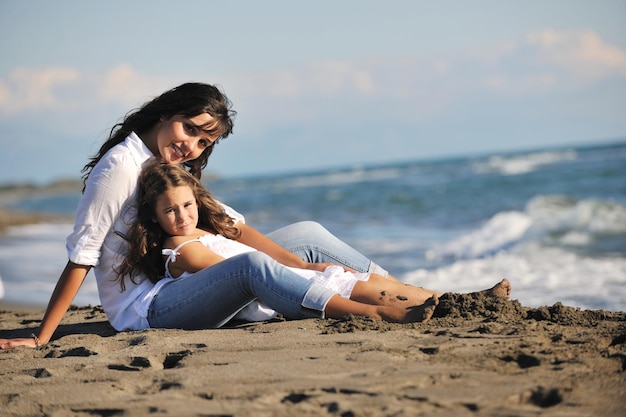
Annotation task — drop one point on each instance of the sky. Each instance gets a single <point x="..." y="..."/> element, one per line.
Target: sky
<point x="315" y="84"/>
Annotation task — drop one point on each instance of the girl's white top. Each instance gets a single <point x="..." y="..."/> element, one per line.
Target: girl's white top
<point x="333" y="277"/>
<point x="106" y="210"/>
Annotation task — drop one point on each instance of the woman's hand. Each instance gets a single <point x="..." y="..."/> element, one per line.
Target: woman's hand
<point x="13" y="343"/>
<point x="323" y="265"/>
<point x="69" y="282"/>
<point x="252" y="237"/>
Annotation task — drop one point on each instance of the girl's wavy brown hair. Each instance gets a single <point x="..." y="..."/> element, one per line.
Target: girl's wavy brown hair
<point x="145" y="236"/>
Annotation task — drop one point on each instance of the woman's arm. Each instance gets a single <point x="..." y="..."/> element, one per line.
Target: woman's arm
<point x="257" y="240"/>
<point x="68" y="285"/>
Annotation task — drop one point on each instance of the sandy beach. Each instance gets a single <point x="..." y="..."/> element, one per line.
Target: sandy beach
<point x="478" y="356"/>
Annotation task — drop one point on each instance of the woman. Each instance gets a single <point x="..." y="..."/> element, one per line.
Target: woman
<point x="181" y="126"/>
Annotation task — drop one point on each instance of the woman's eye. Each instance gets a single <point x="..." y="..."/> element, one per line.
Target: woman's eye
<point x="204" y="143"/>
<point x="190" y="128"/>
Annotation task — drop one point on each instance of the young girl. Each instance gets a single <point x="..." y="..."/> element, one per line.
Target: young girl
<point x="179" y="219"/>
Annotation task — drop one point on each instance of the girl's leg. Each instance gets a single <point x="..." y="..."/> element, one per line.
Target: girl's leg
<point x="211" y="297"/>
<point x="381" y="291"/>
<point x="339" y="306"/>
<point x="313" y="243"/>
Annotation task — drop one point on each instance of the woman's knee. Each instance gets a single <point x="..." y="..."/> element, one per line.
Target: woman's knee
<point x="313" y="227"/>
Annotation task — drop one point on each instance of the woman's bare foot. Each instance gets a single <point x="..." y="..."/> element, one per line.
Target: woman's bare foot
<point x="502" y="290"/>
<point x="421" y="313"/>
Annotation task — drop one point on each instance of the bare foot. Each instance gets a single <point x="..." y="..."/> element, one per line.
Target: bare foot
<point x="420" y="313"/>
<point x="502" y="290"/>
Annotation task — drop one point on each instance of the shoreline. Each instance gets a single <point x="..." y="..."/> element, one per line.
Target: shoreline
<point x="12" y="192"/>
<point x="10" y="218"/>
<point x="477" y="357"/>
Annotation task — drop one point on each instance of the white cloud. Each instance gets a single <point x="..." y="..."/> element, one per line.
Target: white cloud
<point x="62" y="90"/>
<point x="542" y="61"/>
<point x="584" y="55"/>
<point x="126" y="86"/>
<point x="27" y="89"/>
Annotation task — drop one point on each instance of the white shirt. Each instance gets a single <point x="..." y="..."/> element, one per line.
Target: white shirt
<point x="107" y="206"/>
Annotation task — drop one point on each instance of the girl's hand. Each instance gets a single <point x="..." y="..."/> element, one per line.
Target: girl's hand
<point x="323" y="265"/>
<point x="13" y="343"/>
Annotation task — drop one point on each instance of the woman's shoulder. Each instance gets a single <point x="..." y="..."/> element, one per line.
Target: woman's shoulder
<point x="117" y="164"/>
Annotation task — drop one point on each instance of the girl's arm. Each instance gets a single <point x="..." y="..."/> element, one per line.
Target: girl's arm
<point x="70" y="281"/>
<point x="191" y="257"/>
<point x="257" y="240"/>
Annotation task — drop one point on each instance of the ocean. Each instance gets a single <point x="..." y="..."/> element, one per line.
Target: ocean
<point x="552" y="221"/>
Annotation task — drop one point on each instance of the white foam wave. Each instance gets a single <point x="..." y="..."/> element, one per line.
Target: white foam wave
<point x="539" y="276"/>
<point x="547" y="220"/>
<point x="31" y="260"/>
<point x="356" y="175"/>
<point x="562" y="214"/>
<point x="522" y="164"/>
<point x="501" y="231"/>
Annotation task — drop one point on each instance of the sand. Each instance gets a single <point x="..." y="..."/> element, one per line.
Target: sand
<point x="478" y="357"/>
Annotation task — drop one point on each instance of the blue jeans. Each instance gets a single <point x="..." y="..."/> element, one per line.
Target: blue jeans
<point x="313" y="243"/>
<point x="211" y="297"/>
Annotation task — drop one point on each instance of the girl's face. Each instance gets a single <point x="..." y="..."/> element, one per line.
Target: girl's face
<point x="180" y="139"/>
<point x="176" y="210"/>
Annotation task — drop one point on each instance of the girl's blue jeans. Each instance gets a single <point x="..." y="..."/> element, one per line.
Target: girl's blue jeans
<point x="211" y="297"/>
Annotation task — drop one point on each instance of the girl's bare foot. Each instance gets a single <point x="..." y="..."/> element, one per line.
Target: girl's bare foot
<point x="421" y="313"/>
<point x="502" y="290"/>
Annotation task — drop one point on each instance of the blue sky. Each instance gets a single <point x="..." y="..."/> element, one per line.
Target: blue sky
<point x="315" y="84"/>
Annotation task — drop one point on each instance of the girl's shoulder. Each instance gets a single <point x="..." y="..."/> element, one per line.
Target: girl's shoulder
<point x="175" y="241"/>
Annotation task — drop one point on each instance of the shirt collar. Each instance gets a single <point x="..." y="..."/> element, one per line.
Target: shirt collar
<point x="138" y="149"/>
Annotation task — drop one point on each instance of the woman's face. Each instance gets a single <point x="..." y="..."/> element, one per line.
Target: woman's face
<point x="176" y="210"/>
<point x="180" y="139"/>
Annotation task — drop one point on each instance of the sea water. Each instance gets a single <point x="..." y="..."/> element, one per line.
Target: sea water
<point x="552" y="221"/>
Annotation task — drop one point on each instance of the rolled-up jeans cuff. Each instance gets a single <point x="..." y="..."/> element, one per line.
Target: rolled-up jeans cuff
<point x="315" y="300"/>
<point x="377" y="269"/>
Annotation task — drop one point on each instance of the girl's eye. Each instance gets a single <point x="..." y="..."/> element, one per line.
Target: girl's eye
<point x="204" y="143"/>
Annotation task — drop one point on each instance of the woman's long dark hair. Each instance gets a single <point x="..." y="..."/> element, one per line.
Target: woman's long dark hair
<point x="188" y="100"/>
<point x="145" y="236"/>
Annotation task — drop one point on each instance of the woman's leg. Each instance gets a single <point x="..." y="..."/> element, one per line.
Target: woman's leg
<point x="313" y="243"/>
<point x="211" y="297"/>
